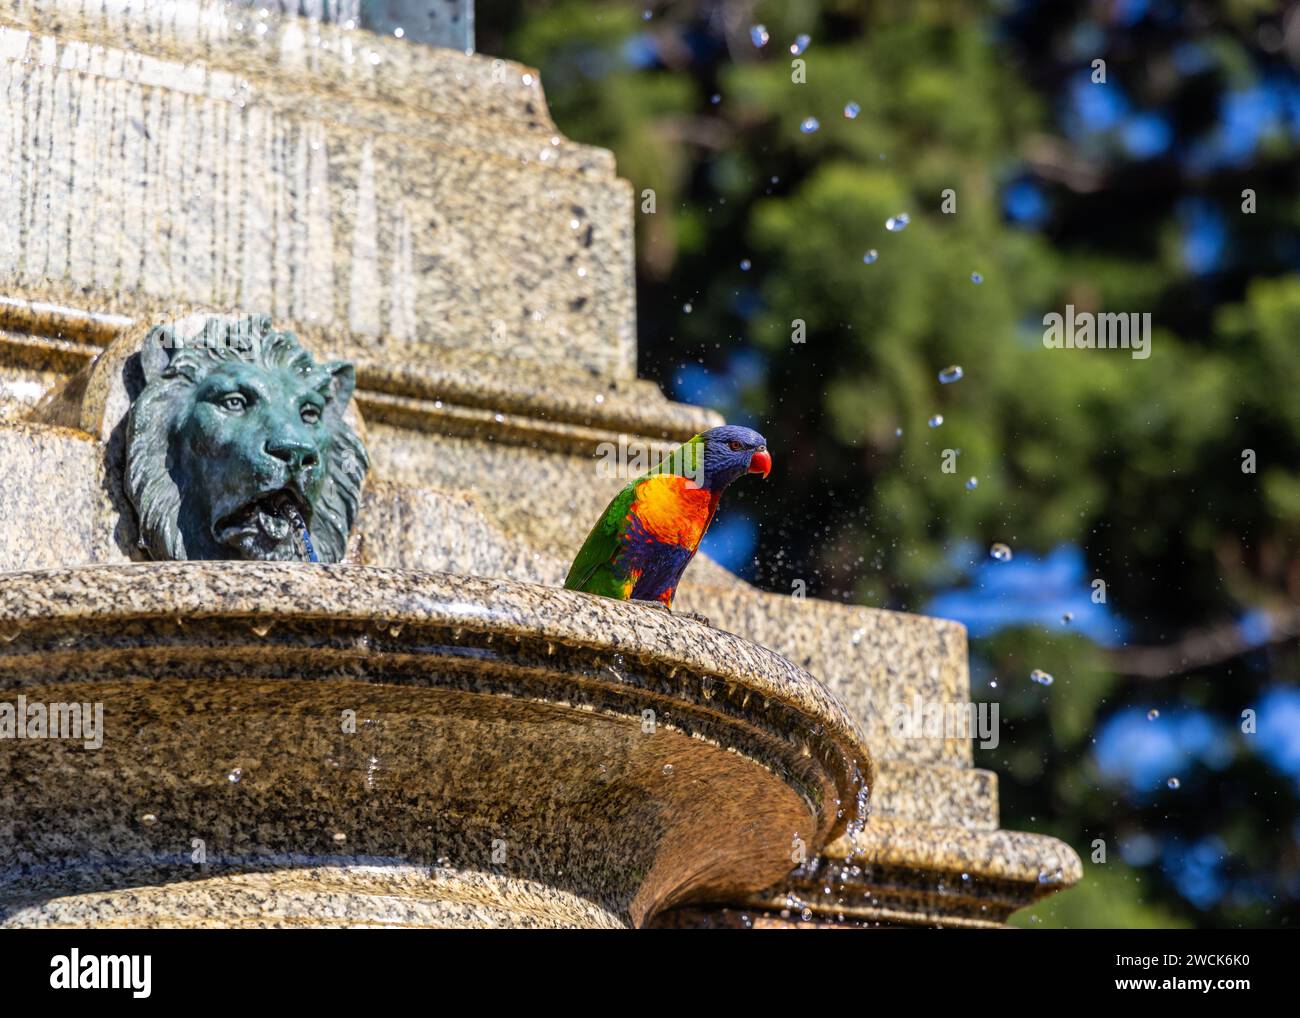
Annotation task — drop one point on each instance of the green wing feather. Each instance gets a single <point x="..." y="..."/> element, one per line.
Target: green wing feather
<point x="591" y="570"/>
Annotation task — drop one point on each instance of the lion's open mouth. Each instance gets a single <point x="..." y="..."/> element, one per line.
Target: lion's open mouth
<point x="270" y="522"/>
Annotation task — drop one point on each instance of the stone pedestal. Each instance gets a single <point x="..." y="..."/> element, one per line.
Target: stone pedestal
<point x="413" y="210"/>
<point x="358" y="745"/>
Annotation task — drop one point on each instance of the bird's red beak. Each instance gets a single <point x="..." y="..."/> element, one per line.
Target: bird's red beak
<point x="761" y="463"/>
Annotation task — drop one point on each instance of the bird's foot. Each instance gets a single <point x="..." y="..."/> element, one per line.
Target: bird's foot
<point x="696" y="616"/>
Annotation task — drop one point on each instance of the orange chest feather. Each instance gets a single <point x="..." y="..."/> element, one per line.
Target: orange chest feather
<point x="673" y="510"/>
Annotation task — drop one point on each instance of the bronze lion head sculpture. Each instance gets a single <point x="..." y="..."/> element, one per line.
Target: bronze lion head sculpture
<point x="237" y="448"/>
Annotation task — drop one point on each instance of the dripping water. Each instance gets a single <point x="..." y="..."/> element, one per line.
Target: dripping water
<point x="304" y="534"/>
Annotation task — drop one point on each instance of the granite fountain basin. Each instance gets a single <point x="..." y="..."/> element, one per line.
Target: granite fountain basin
<point x="346" y="745"/>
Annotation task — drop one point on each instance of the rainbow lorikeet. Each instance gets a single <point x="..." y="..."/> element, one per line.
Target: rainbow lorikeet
<point x="649" y="533"/>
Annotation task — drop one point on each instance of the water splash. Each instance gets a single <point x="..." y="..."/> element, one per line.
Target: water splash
<point x="304" y="535"/>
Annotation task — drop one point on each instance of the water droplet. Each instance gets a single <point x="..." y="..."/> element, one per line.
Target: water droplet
<point x="935" y="421"/>
<point x="340" y="838"/>
<point x="1067" y="618"/>
<point x="898" y="432"/>
<point x="1041" y="677"/>
<point x="1174" y="783"/>
<point x="235" y="775"/>
<point x="800" y="44"/>
<point x="261" y="628"/>
<point x="399" y="32"/>
<point x="149" y="819"/>
<point x="952" y="373"/>
<point x="1000" y="552"/>
<point x="758" y="36"/>
<point x="806" y="915"/>
<point x="1152" y="714"/>
<point x="745" y="265"/>
<point x="809" y="125"/>
<point x="668" y="768"/>
<point x="895" y="223"/>
<point x="687" y="308"/>
<point x="972" y="484"/>
<point x="851" y="111"/>
<point x="870" y="257"/>
<point x="715" y="98"/>
<point x="976" y="278"/>
<point x="647" y="14"/>
<point x="993" y="683"/>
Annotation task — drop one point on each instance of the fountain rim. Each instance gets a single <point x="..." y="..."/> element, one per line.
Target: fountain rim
<point x="51" y="603"/>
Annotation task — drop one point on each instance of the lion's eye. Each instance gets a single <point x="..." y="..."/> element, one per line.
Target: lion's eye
<point x="310" y="413"/>
<point x="735" y="446"/>
<point x="234" y="402"/>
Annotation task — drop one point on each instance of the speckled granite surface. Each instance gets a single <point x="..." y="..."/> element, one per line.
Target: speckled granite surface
<point x="490" y="715"/>
<point x="399" y="197"/>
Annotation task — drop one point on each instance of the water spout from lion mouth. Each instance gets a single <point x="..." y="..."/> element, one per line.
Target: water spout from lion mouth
<point x="269" y="526"/>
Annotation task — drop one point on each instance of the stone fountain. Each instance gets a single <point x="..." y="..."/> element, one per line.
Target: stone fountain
<point x="420" y="728"/>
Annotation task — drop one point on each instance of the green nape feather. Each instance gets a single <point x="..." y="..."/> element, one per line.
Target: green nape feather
<point x="593" y="569"/>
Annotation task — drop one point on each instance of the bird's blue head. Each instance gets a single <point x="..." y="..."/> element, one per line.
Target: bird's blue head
<point x="730" y="451"/>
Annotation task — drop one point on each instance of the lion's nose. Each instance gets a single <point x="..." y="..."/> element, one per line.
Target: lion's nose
<point x="297" y="454"/>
